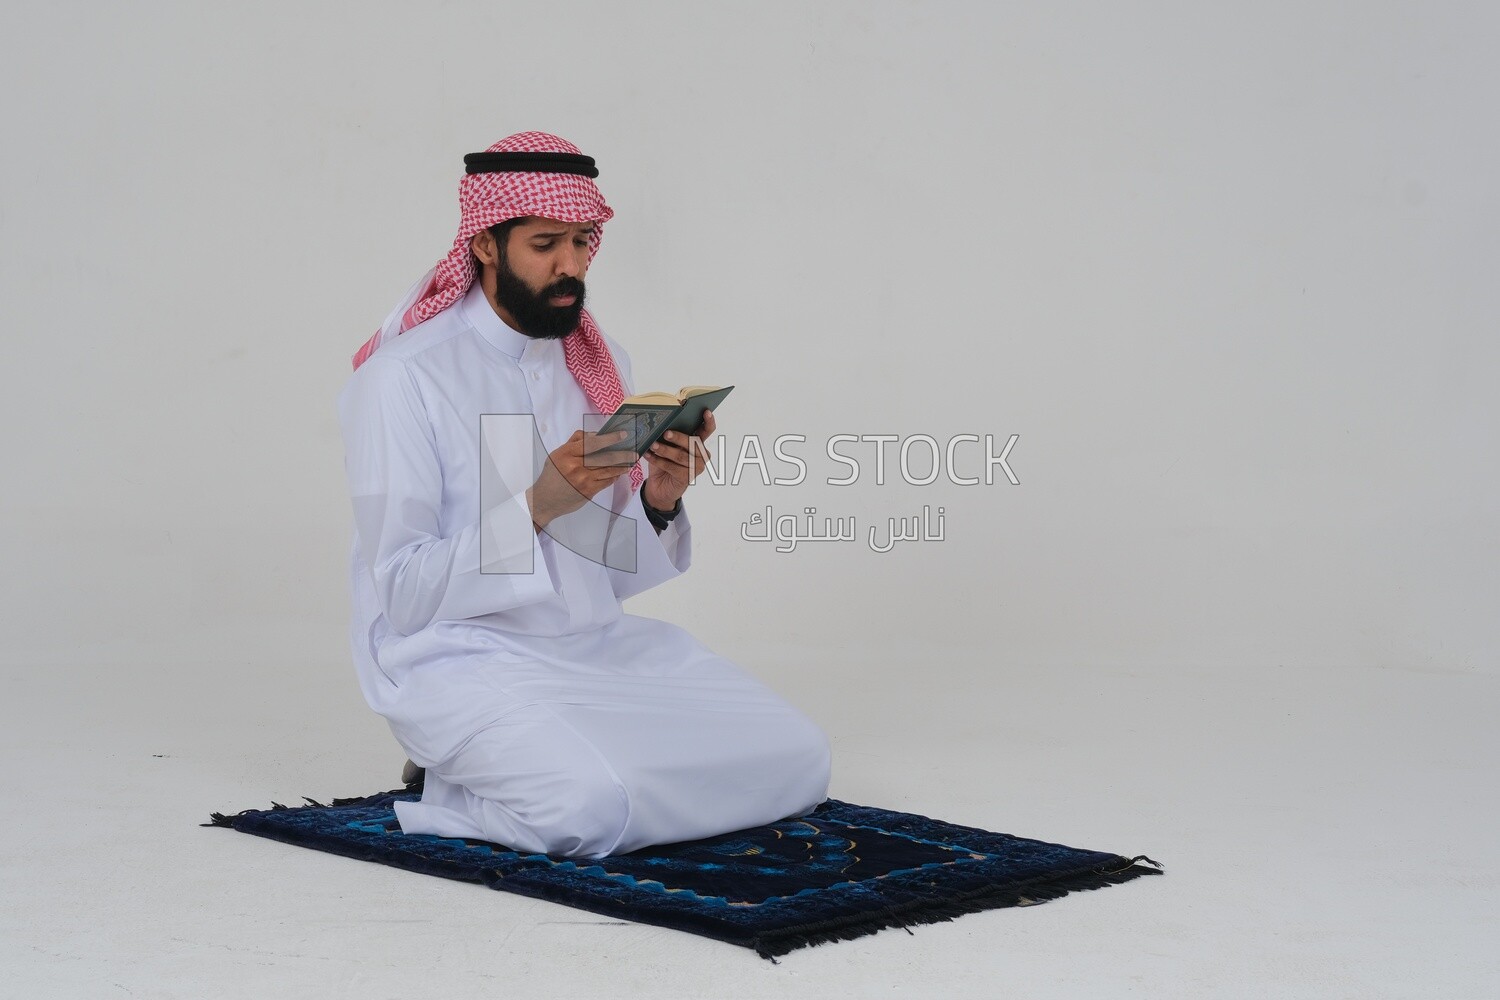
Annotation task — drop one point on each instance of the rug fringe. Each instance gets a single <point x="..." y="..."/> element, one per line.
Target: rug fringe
<point x="787" y="939"/>
<point x="227" y="820"/>
<point x="770" y="944"/>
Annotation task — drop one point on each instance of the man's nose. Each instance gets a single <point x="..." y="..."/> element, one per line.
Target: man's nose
<point x="565" y="265"/>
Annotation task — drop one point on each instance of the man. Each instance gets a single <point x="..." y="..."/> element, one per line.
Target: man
<point x="546" y="718"/>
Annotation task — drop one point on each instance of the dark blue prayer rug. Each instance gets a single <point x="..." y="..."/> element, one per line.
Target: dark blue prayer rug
<point x="839" y="872"/>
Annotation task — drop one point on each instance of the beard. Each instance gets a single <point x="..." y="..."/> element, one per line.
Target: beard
<point x="534" y="315"/>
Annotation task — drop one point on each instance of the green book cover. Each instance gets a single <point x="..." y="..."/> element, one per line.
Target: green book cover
<point x="649" y="415"/>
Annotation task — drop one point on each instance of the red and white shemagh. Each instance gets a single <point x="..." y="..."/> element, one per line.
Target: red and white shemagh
<point x="488" y="198"/>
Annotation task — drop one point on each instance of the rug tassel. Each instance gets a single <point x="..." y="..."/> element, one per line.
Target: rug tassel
<point x="227" y="820"/>
<point x="791" y="938"/>
<point x="221" y="819"/>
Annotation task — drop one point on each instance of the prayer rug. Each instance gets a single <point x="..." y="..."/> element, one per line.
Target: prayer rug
<point x="841" y="871"/>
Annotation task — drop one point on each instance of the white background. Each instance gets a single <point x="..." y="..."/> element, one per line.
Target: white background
<point x="1229" y="273"/>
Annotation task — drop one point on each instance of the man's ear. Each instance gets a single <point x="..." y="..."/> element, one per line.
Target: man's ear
<point x="482" y="246"/>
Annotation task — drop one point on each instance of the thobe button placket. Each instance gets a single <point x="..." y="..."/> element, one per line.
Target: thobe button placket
<point x="536" y="376"/>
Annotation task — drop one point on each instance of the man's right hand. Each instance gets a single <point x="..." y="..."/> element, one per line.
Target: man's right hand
<point x="568" y="482"/>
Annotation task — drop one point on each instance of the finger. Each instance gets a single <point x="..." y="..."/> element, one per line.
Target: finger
<point x="594" y="441"/>
<point x="665" y="455"/>
<point x="604" y="476"/>
<point x="583" y="442"/>
<point x="610" y="459"/>
<point x="695" y="447"/>
<point x="707" y="426"/>
<point x="673" y="442"/>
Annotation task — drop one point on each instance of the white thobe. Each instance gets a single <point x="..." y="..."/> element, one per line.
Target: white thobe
<point x="548" y="719"/>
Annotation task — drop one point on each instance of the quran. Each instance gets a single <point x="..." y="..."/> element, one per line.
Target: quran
<point x="649" y="415"/>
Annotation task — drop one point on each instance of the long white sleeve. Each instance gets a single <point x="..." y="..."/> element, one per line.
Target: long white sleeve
<point x="396" y="484"/>
<point x="659" y="558"/>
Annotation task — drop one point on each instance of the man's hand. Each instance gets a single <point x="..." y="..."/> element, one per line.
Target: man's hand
<point x="568" y="481"/>
<point x="676" y="459"/>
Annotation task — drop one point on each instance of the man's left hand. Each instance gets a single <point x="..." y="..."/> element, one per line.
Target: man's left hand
<point x="675" y="460"/>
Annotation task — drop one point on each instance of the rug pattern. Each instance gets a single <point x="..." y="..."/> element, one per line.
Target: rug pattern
<point x="839" y="872"/>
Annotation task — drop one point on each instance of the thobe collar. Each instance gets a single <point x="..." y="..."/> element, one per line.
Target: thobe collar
<point x="483" y="318"/>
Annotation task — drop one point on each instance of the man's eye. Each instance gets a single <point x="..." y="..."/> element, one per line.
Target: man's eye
<point x="542" y="247"/>
<point x="581" y="243"/>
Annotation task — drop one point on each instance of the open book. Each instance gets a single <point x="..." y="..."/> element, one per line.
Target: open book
<point x="651" y="414"/>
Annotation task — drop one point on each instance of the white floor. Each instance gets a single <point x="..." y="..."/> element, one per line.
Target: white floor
<point x="1327" y="834"/>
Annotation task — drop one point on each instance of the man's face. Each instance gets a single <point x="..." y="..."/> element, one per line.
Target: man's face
<point x="538" y="275"/>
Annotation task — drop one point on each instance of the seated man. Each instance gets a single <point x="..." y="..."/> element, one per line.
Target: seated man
<point x="546" y="718"/>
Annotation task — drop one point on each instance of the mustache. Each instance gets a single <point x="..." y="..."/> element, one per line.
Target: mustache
<point x="564" y="286"/>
